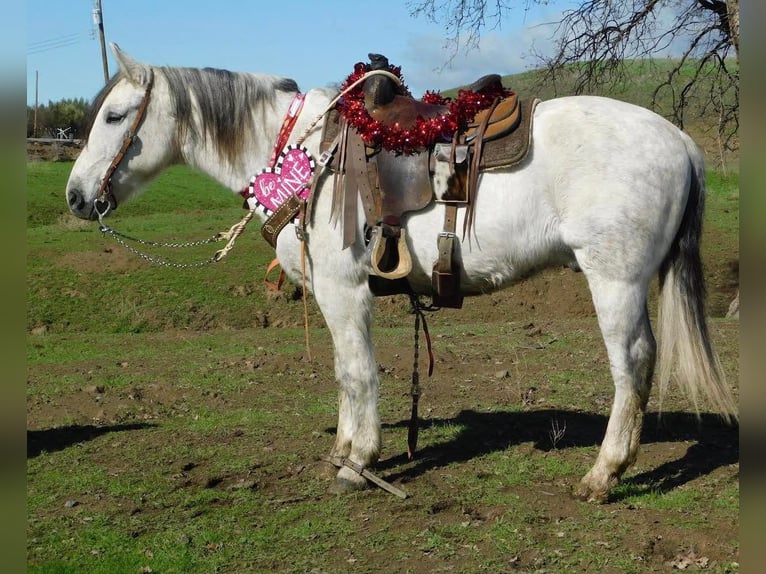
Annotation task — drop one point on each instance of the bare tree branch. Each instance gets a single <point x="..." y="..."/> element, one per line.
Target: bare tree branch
<point x="596" y="38"/>
<point x="464" y="20"/>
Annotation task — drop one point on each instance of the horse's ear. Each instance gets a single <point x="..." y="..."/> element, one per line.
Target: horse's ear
<point x="135" y="72"/>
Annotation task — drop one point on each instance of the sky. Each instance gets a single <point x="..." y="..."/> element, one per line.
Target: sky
<point x="314" y="42"/>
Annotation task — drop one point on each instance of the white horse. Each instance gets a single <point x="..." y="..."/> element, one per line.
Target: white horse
<point x="609" y="188"/>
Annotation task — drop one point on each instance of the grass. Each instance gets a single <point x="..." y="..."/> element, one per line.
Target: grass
<point x="105" y="290"/>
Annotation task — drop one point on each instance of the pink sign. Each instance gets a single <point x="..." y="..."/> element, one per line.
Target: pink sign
<point x="291" y="176"/>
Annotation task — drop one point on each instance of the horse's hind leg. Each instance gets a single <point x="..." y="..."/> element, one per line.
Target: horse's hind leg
<point x="630" y="345"/>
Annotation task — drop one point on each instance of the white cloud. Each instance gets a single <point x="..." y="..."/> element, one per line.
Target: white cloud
<point x="428" y="65"/>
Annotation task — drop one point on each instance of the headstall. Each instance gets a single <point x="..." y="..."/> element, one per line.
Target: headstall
<point x="105" y="198"/>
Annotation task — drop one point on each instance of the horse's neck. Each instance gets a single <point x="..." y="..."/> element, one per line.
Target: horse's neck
<point x="259" y="142"/>
<point x="202" y="154"/>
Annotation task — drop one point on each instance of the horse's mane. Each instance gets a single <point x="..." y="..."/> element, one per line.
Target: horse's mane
<point x="227" y="102"/>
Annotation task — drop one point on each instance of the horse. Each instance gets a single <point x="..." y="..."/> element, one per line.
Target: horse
<point x="608" y="188"/>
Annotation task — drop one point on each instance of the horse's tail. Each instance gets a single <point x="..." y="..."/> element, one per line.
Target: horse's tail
<point x="684" y="339"/>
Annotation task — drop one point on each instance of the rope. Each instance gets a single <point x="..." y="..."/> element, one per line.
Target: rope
<point x="305" y="301"/>
<point x="337" y="98"/>
<point x="234" y="232"/>
<point x="237" y="229"/>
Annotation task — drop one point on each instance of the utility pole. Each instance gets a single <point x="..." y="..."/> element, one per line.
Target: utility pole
<point x="98" y="20"/>
<point x="37" y="82"/>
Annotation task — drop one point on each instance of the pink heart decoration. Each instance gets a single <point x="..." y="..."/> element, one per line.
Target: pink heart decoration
<point x="291" y="176"/>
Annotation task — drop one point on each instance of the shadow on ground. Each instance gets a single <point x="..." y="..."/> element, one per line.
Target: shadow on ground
<point x="51" y="440"/>
<point x="714" y="444"/>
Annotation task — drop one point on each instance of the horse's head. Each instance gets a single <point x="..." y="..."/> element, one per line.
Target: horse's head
<point x="130" y="141"/>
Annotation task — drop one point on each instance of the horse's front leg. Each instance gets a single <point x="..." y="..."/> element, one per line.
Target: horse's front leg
<point x="347" y="310"/>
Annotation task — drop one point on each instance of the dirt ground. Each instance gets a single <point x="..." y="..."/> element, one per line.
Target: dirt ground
<point x="53" y="150"/>
<point x="702" y="456"/>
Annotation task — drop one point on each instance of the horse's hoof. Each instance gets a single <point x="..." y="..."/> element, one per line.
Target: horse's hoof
<point x="585" y="493"/>
<point x="346" y="486"/>
<point x="348" y="481"/>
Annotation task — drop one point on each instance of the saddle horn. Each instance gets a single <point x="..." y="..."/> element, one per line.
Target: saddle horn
<point x="378" y="90"/>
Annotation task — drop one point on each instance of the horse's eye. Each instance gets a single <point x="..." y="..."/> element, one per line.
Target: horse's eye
<point x="113" y="118"/>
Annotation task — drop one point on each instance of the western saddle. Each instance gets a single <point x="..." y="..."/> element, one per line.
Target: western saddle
<point x="390" y="184"/>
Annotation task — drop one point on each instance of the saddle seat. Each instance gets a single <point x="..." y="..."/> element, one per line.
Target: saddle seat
<point x="403" y="111"/>
<point x="497" y="120"/>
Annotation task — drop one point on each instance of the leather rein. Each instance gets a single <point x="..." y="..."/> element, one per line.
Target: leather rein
<point x="105" y="199"/>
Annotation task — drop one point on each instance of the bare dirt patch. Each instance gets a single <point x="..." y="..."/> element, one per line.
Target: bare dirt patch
<point x="488" y="399"/>
<point x="53" y="150"/>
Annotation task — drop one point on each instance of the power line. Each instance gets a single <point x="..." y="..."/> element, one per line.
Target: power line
<point x="53" y="43"/>
<point x="39" y="43"/>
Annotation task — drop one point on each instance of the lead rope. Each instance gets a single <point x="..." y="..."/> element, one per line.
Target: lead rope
<point x="301" y="237"/>
<point x="412" y="432"/>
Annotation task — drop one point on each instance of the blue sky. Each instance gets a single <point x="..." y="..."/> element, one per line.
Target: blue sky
<point x="314" y="42"/>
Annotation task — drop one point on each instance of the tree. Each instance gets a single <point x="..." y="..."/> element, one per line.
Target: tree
<point x="595" y="39"/>
<point x="67" y="113"/>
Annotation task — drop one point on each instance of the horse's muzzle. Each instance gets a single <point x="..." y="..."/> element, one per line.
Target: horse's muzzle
<point x="88" y="209"/>
<point x="75" y="200"/>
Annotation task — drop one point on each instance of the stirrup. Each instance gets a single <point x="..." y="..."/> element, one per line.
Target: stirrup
<point x="381" y="251"/>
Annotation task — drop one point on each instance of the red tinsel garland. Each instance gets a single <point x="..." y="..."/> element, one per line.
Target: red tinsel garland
<point x="425" y="132"/>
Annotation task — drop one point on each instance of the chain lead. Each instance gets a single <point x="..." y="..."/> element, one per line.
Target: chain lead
<point x="123" y="239"/>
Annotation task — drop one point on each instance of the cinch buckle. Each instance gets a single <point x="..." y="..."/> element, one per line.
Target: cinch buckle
<point x="447" y="235"/>
<point x="325" y="158"/>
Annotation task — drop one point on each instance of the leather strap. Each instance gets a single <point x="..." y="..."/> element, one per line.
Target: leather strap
<point x="287" y="126"/>
<point x="450" y="218"/>
<point x="445" y="277"/>
<point x="473" y="175"/>
<point x="271" y="285"/>
<point x="105" y="189"/>
<point x="284" y="214"/>
<point x="361" y="177"/>
<point x="446" y="242"/>
<point x="339" y="175"/>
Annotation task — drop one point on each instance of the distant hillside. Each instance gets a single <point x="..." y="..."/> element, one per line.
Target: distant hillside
<point x="638" y="85"/>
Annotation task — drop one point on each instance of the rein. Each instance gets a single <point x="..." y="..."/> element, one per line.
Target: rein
<point x="420" y="320"/>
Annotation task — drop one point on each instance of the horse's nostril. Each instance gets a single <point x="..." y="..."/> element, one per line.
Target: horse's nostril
<point x="75" y="199"/>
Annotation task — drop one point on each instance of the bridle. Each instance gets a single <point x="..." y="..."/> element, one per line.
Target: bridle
<point x="105" y="198"/>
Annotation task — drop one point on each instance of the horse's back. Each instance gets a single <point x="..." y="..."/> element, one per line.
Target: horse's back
<point x="603" y="187"/>
<point x="603" y="138"/>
